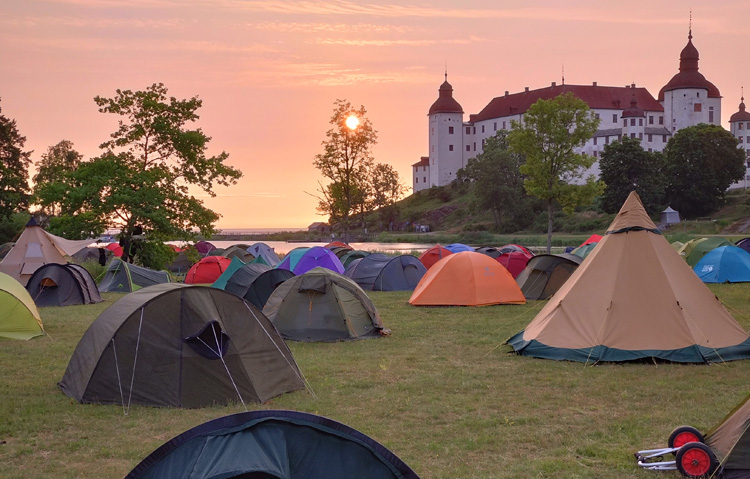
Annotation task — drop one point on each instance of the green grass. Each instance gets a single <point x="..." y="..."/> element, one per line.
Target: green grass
<point x="442" y="392"/>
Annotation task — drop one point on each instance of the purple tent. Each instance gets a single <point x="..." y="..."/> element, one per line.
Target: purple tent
<point x="204" y="247"/>
<point x="318" y="256"/>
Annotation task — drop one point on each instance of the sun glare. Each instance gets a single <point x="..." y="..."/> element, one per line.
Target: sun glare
<point x="352" y="122"/>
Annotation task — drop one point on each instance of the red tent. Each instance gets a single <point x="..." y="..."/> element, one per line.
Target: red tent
<point x="433" y="255"/>
<point x="207" y="270"/>
<point x="595" y="238"/>
<point x="515" y="261"/>
<point x="115" y="248"/>
<point x="338" y="244"/>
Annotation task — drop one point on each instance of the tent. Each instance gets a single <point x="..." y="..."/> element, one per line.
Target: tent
<point x="238" y="251"/>
<point x="585" y="250"/>
<point x="340" y="251"/>
<point x="62" y="285"/>
<point x="115" y="248"/>
<point x="433" y="255"/>
<point x="182" y="346"/>
<point x="321" y="305"/>
<point x="458" y="247"/>
<point x="669" y="216"/>
<point x="313" y="258"/>
<point x="5" y="249"/>
<point x="353" y="255"/>
<point x="730" y="442"/>
<point x="234" y="265"/>
<point x="687" y="248"/>
<point x="256" y="282"/>
<point x="744" y="243"/>
<point x="269" y="445"/>
<point x="508" y="248"/>
<point x="514" y="261"/>
<point x="123" y="277"/>
<point x="703" y="247"/>
<point x="204" y="247"/>
<point x="92" y="254"/>
<point x="725" y="264"/>
<point x="594" y="238"/>
<point x="379" y="272"/>
<point x="633" y="298"/>
<point x="19" y="317"/>
<point x="262" y="250"/>
<point x="207" y="270"/>
<point x="467" y="279"/>
<point x="292" y="258"/>
<point x="546" y="273"/>
<point x="338" y="244"/>
<point x="34" y="248"/>
<point x="490" y="251"/>
<point x="181" y="263"/>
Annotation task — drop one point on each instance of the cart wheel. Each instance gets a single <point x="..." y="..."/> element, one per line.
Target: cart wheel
<point x="695" y="459"/>
<point x="683" y="435"/>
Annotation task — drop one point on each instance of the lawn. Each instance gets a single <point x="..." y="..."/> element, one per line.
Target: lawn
<point x="442" y="392"/>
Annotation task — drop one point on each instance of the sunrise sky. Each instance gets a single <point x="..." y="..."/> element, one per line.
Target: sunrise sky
<point x="268" y="72"/>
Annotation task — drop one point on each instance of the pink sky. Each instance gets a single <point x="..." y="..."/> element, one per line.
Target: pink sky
<point x="268" y="72"/>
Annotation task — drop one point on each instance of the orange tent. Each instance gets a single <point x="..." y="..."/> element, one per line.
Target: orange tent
<point x="338" y="244"/>
<point x="207" y="270"/>
<point x="433" y="255"/>
<point x="467" y="279"/>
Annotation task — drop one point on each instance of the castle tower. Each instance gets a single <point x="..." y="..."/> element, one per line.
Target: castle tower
<point x="688" y="98"/>
<point x="446" y="136"/>
<point x="739" y="126"/>
<point x="633" y="119"/>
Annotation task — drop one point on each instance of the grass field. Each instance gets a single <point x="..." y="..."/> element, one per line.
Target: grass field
<point x="442" y="392"/>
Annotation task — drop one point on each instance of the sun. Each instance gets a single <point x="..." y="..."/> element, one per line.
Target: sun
<point x="352" y="122"/>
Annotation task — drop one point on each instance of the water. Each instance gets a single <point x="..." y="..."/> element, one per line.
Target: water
<point x="282" y="247"/>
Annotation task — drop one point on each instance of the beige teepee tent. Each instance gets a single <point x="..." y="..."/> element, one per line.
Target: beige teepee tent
<point x="633" y="297"/>
<point x="35" y="248"/>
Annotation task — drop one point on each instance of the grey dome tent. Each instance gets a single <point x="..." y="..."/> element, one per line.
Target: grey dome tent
<point x="62" y="285"/>
<point x="352" y="256"/>
<point x="321" y="305"/>
<point x="272" y="445"/>
<point x="182" y="346"/>
<point x="122" y="277"/>
<point x="545" y="273"/>
<point x="262" y="250"/>
<point x="255" y="282"/>
<point x="379" y="272"/>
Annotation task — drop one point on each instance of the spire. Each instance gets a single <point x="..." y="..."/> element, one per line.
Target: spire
<point x="563" y="74"/>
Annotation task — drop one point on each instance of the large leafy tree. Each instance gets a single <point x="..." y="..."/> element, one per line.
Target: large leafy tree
<point x="385" y="190"/>
<point x="144" y="179"/>
<point x="14" y="169"/>
<point x="345" y="161"/>
<point x="702" y="162"/>
<point x="625" y="166"/>
<point x="58" y="161"/>
<point x="550" y="136"/>
<point x="498" y="183"/>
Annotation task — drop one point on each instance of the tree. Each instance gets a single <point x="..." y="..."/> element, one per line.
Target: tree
<point x="625" y="166"/>
<point x="702" y="161"/>
<point x="345" y="161"/>
<point x="385" y="190"/>
<point x="14" y="169"/>
<point x="498" y="183"/>
<point x="143" y="179"/>
<point x="59" y="160"/>
<point x="548" y="136"/>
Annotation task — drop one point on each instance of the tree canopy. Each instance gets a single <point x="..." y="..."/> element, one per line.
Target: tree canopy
<point x="58" y="161"/>
<point x="145" y="177"/>
<point x="702" y="161"/>
<point x="14" y="169"/>
<point x="625" y="166"/>
<point x="549" y="136"/>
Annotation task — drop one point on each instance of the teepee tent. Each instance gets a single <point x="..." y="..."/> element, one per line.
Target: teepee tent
<point x="19" y="318"/>
<point x="633" y="298"/>
<point x="271" y="445"/>
<point x="34" y="248"/>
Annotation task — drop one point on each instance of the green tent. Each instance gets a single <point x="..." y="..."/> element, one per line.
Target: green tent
<point x="19" y="318"/>
<point x="322" y="305"/>
<point x="272" y="445"/>
<point x="221" y="281"/>
<point x="122" y="277"/>
<point x="703" y="247"/>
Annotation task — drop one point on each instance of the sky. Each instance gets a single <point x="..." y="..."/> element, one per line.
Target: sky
<point x="269" y="72"/>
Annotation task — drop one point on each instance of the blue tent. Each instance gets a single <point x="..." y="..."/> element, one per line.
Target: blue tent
<point x="725" y="264"/>
<point x="379" y="272"/>
<point x="458" y="247"/>
<point x="262" y="250"/>
<point x="272" y="445"/>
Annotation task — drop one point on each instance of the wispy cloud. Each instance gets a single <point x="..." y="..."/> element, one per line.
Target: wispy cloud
<point x="292" y="27"/>
<point x="402" y="42"/>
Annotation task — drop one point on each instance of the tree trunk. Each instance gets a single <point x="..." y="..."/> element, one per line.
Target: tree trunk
<point x="550" y="217"/>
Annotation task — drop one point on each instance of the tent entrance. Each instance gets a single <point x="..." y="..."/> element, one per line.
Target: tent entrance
<point x="210" y="342"/>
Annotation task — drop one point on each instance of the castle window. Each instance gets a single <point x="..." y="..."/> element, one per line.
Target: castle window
<point x="624" y="122"/>
<point x="482" y="144"/>
<point x="640" y="136"/>
<point x="619" y="137"/>
<point x="596" y="154"/>
<point x="698" y="94"/>
<point x="482" y="128"/>
<point x="640" y="121"/>
<point x="468" y="147"/>
<point x="697" y="107"/>
<point x="740" y="138"/>
<point x="424" y="179"/>
<point x="651" y="119"/>
<point x="597" y="116"/>
<point x="474" y="130"/>
<point x="614" y="118"/>
<point x="416" y="180"/>
<point x="494" y="126"/>
<point x="595" y="138"/>
<point x="650" y="150"/>
<point x="432" y="131"/>
<point x="450" y="130"/>
<point x="664" y="138"/>
<point x="450" y="147"/>
<point x="632" y="135"/>
<point x="740" y="125"/>
<point x="632" y="122"/>
<point x="650" y="138"/>
<point x="424" y="168"/>
<point x="710" y="114"/>
<point x="503" y="125"/>
<point x="606" y="140"/>
<point x="468" y="130"/>
<point x="475" y="146"/>
<point x="661" y="120"/>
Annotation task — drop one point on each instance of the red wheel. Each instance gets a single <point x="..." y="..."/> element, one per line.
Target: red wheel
<point x="683" y="435"/>
<point x="696" y="460"/>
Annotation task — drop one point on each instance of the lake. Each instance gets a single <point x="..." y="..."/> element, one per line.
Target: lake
<point x="282" y="247"/>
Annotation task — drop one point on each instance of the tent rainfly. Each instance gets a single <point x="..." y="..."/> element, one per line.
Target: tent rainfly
<point x="633" y="298"/>
<point x="62" y="285"/>
<point x="122" y="277"/>
<point x="546" y="273"/>
<point x="19" y="317"/>
<point x="379" y="272"/>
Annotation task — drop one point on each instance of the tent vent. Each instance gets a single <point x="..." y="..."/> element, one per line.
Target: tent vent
<point x="211" y="342"/>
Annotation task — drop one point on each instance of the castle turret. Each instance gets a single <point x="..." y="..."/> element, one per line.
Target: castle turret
<point x="739" y="126"/>
<point x="446" y="138"/>
<point x="633" y="119"/>
<point x="688" y="98"/>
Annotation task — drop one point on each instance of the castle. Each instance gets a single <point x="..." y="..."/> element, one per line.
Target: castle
<point x="686" y="100"/>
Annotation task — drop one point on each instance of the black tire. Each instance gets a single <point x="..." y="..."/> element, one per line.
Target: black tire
<point x="681" y="436"/>
<point x="696" y="460"/>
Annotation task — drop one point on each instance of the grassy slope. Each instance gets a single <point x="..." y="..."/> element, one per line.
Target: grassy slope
<point x="442" y="392"/>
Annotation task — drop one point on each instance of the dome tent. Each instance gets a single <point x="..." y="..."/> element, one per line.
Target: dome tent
<point x="123" y="277"/>
<point x="321" y="305"/>
<point x="314" y="257"/>
<point x="433" y="255"/>
<point x="19" y="317"/>
<point x="725" y="264"/>
<point x="379" y="272"/>
<point x="270" y="445"/>
<point x="546" y="273"/>
<point x="181" y="346"/>
<point x="648" y="304"/>
<point x="62" y="285"/>
<point x="256" y="282"/>
<point x="207" y="270"/>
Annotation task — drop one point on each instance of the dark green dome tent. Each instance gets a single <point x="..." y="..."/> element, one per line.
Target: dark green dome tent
<point x="352" y="256"/>
<point x="256" y="282"/>
<point x="321" y="305"/>
<point x="272" y="445"/>
<point x="183" y="346"/>
<point x="122" y="277"/>
<point x="62" y="285"/>
<point x="545" y="273"/>
<point x="379" y="272"/>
